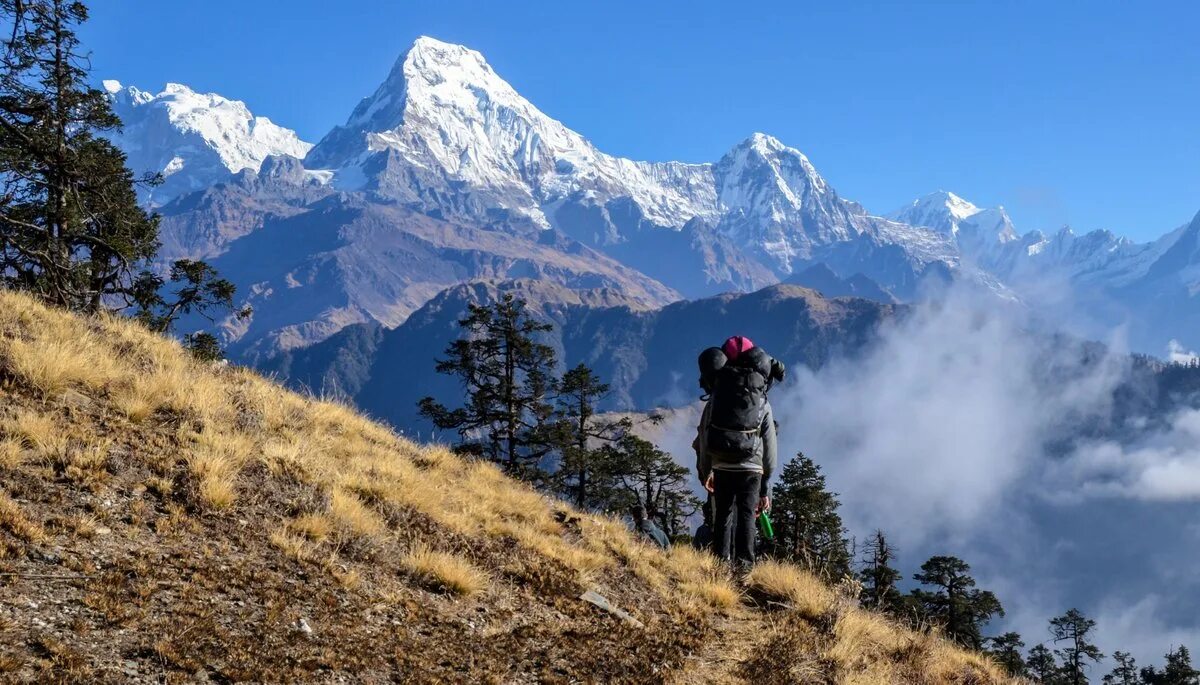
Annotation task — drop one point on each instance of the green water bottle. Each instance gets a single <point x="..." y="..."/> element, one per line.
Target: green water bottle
<point x="765" y="529"/>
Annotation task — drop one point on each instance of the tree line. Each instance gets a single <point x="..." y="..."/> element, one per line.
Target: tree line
<point x="547" y="429"/>
<point x="71" y="229"/>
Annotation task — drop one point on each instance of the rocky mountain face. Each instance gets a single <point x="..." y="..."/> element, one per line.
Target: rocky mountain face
<point x="193" y="139"/>
<point x="648" y="356"/>
<point x="445" y="173"/>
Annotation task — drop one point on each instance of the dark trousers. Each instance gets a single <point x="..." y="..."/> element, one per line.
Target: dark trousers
<point x="736" y="495"/>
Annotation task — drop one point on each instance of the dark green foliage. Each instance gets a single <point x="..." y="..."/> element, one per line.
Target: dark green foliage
<point x="585" y="476"/>
<point x="505" y="374"/>
<point x="71" y="230"/>
<point x="955" y="605"/>
<point x="648" y="476"/>
<point x="1073" y="630"/>
<point x="878" y="577"/>
<point x="1125" y="672"/>
<point x="203" y="346"/>
<point x="1178" y="670"/>
<point x="1006" y="650"/>
<point x="808" y="528"/>
<point x="1041" y="666"/>
<point x="195" y="288"/>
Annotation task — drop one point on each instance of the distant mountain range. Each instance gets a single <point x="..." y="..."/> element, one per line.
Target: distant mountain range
<point x="446" y="174"/>
<point x="647" y="356"/>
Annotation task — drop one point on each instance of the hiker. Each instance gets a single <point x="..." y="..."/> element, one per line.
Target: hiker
<point x="646" y="528"/>
<point x="735" y="442"/>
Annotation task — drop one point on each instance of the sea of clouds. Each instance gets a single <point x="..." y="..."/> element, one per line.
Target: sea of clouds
<point x="957" y="432"/>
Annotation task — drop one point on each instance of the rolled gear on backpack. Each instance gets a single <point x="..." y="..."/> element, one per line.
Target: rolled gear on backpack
<point x="710" y="362"/>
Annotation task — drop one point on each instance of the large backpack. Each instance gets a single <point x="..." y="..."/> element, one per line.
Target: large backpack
<point x="738" y="407"/>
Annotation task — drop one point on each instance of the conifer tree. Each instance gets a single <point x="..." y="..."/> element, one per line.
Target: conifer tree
<point x="585" y="476"/>
<point x="1125" y="672"/>
<point x="650" y="477"/>
<point x="71" y="229"/>
<point x="955" y="605"/>
<point x="1006" y="650"/>
<point x="808" y="528"/>
<point x="1073" y="630"/>
<point x="1178" y="670"/>
<point x="878" y="577"/>
<point x="1041" y="666"/>
<point x="506" y="377"/>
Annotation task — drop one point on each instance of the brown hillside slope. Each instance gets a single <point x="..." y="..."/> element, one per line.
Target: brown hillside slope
<point x="164" y="521"/>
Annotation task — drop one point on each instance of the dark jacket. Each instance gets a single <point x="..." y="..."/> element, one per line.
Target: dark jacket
<point x="764" y="459"/>
<point x="652" y="533"/>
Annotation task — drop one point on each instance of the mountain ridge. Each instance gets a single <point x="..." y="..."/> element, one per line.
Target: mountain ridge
<point x="445" y="136"/>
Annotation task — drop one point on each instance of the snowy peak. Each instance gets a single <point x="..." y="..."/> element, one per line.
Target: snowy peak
<point x="976" y="230"/>
<point x="193" y="139"/>
<point x="444" y="118"/>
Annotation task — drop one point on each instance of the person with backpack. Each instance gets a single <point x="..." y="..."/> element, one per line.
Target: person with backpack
<point x="644" y="526"/>
<point x="735" y="444"/>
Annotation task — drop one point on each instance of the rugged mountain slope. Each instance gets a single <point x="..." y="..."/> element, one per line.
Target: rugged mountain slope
<point x="647" y="356"/>
<point x="163" y="521"/>
<point x="344" y="260"/>
<point x="193" y="139"/>
<point x="446" y="137"/>
<point x="446" y="134"/>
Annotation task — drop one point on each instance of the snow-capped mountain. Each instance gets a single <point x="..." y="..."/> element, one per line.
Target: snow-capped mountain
<point x="447" y="117"/>
<point x="445" y="173"/>
<point x="445" y="133"/>
<point x="979" y="233"/>
<point x="193" y="139"/>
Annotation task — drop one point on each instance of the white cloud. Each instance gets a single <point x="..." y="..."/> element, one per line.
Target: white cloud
<point x="1178" y="354"/>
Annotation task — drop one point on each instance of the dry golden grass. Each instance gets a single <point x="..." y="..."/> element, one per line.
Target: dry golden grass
<point x="41" y="433"/>
<point x="444" y="571"/>
<point x="14" y="521"/>
<point x="349" y="512"/>
<point x="313" y="527"/>
<point x="789" y="584"/>
<point x="716" y="593"/>
<point x="351" y="477"/>
<point x="292" y="546"/>
<point x="12" y="453"/>
<point x="53" y="366"/>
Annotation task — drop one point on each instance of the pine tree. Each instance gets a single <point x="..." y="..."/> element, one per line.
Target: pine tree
<point x="1041" y="666"/>
<point x="1178" y="670"/>
<point x="1125" y="672"/>
<point x="650" y="477"/>
<point x="808" y="528"/>
<point x="878" y="577"/>
<point x="506" y="376"/>
<point x="956" y="606"/>
<point x="1073" y="629"/>
<point x="1006" y="649"/>
<point x="71" y="230"/>
<point x="584" y="476"/>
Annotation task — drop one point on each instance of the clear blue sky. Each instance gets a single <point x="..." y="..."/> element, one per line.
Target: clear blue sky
<point x="1064" y="112"/>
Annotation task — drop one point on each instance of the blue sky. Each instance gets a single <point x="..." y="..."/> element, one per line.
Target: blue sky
<point x="1079" y="113"/>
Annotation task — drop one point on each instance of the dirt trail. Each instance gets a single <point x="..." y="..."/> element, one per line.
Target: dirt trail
<point x="737" y="636"/>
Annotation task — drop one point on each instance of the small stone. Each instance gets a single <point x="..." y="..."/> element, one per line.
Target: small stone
<point x="103" y="530"/>
<point x="303" y="627"/>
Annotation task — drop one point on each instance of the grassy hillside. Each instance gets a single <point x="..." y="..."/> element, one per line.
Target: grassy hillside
<point x="163" y="520"/>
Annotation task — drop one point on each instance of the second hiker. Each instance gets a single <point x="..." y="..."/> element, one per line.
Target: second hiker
<point x="735" y="442"/>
